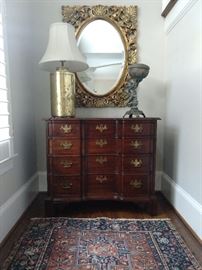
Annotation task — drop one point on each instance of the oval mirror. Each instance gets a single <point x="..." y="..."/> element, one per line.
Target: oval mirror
<point x="107" y="37"/>
<point x="102" y="45"/>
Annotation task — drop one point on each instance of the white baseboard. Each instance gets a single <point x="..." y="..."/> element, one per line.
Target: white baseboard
<point x="43" y="181"/>
<point x="158" y="181"/>
<point x="184" y="203"/>
<point x="15" y="206"/>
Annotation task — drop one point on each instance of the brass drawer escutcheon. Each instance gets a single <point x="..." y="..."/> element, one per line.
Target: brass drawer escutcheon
<point x="137" y="128"/>
<point x="136" y="163"/>
<point x="101" y="159"/>
<point x="66" y="145"/>
<point x="67" y="186"/>
<point x="101" y="142"/>
<point x="136" y="144"/>
<point x="101" y="178"/>
<point x="66" y="128"/>
<point x="101" y="127"/>
<point x="136" y="184"/>
<point x="66" y="163"/>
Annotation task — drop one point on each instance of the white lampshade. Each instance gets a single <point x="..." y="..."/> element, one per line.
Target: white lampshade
<point x="62" y="46"/>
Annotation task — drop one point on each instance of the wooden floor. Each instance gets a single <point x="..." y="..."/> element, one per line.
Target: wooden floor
<point x="103" y="209"/>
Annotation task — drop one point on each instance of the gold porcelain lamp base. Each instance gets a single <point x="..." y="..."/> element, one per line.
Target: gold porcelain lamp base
<point x="62" y="93"/>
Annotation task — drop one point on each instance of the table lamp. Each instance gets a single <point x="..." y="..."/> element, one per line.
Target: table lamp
<point x="62" y="58"/>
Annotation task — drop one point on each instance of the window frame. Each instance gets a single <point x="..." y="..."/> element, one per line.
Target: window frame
<point x="7" y="162"/>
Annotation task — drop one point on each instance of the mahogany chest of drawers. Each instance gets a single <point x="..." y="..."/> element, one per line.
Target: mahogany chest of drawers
<point x="101" y="159"/>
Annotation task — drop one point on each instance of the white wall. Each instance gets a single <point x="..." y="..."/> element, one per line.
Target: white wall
<point x="19" y="185"/>
<point x="182" y="178"/>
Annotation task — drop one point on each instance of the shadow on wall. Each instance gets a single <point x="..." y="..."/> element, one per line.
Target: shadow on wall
<point x="151" y="97"/>
<point x="170" y="162"/>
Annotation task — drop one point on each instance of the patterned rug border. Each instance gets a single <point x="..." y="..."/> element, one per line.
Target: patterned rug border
<point x="168" y="220"/>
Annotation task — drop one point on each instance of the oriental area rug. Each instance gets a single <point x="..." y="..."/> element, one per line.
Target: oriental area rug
<point x="100" y="244"/>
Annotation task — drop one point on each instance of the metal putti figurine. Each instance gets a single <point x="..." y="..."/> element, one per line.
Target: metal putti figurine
<point x="137" y="73"/>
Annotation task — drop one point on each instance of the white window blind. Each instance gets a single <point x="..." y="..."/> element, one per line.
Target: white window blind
<point x="5" y="121"/>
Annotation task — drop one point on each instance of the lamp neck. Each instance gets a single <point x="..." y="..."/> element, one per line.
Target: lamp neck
<point x="62" y="66"/>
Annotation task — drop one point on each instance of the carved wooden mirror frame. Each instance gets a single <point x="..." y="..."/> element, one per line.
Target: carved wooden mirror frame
<point x="124" y="19"/>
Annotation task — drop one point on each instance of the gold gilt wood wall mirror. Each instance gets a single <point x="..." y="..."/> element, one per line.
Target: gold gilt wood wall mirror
<point x="106" y="36"/>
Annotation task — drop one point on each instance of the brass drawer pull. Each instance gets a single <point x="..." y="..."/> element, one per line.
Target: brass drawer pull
<point x="137" y="128"/>
<point x="66" y="145"/>
<point x="67" y="186"/>
<point x="136" y="144"/>
<point x="136" y="163"/>
<point x="101" y="142"/>
<point x="136" y="184"/>
<point x="101" y="178"/>
<point x="101" y="127"/>
<point x="66" y="163"/>
<point x="66" y="128"/>
<point x="101" y="159"/>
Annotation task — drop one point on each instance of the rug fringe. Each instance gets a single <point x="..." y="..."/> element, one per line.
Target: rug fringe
<point x="82" y="218"/>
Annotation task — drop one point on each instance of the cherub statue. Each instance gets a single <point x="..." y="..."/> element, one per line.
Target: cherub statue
<point x="137" y="73"/>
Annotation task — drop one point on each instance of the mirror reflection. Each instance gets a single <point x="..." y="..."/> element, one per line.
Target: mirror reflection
<point x="101" y="44"/>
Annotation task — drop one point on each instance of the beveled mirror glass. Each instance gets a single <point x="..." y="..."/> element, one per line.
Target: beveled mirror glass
<point x="107" y="38"/>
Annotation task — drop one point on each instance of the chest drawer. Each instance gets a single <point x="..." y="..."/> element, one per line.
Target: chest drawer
<point x="100" y="128"/>
<point x="102" y="163"/>
<point x="67" y="129"/>
<point x="137" y="145"/>
<point x="101" y="184"/>
<point x="136" y="185"/>
<point x="101" y="145"/>
<point x="63" y="146"/>
<point x="135" y="163"/>
<point x="66" y="186"/>
<point x="65" y="165"/>
<point x="137" y="128"/>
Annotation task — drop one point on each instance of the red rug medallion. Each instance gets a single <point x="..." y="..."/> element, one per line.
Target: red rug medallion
<point x="100" y="244"/>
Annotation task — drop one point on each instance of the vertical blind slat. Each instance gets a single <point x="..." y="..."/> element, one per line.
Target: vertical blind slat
<point x="3" y="95"/>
